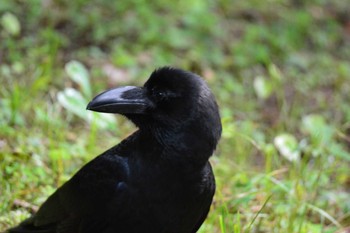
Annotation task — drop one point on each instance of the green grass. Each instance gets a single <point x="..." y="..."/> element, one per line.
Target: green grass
<point x="280" y="71"/>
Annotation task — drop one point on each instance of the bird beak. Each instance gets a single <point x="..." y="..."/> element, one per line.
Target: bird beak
<point x="122" y="100"/>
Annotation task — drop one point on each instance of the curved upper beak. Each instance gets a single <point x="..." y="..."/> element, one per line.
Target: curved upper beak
<point x="122" y="100"/>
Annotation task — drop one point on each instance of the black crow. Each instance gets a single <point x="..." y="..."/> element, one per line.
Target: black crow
<point x="158" y="180"/>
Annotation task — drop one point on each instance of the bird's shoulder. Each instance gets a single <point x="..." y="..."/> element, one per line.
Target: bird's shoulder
<point x="100" y="181"/>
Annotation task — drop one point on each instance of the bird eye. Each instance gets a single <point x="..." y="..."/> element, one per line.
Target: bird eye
<point x="158" y="94"/>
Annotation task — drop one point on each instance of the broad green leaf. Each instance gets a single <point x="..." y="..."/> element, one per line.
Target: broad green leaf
<point x="79" y="74"/>
<point x="319" y="130"/>
<point x="263" y="88"/>
<point x="75" y="103"/>
<point x="339" y="151"/>
<point x="287" y="145"/>
<point x="313" y="122"/>
<point x="274" y="72"/>
<point x="11" y="24"/>
<point x="102" y="120"/>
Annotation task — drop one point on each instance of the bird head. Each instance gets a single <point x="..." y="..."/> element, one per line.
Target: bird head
<point x="171" y="100"/>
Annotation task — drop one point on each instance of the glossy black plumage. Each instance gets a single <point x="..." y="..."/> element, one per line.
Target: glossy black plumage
<point x="156" y="180"/>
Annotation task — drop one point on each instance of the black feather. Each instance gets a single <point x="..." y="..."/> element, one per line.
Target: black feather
<point x="156" y="180"/>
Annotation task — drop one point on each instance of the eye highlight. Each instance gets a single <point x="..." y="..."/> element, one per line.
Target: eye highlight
<point x="158" y="94"/>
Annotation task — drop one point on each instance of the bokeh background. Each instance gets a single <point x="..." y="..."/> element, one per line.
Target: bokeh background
<point x="280" y="70"/>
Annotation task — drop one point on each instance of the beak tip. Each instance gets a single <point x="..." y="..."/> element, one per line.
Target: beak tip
<point x="88" y="107"/>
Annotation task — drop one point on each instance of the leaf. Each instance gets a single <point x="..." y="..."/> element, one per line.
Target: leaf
<point x="102" y="120"/>
<point x="339" y="151"/>
<point x="75" y="103"/>
<point x="274" y="72"/>
<point x="79" y="74"/>
<point x="263" y="88"/>
<point x="319" y="130"/>
<point x="324" y="214"/>
<point x="287" y="145"/>
<point x="11" y="24"/>
<point x="313" y="122"/>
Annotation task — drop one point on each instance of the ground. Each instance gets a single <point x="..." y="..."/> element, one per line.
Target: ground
<point x="280" y="71"/>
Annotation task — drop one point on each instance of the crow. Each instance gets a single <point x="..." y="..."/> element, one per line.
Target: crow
<point x="158" y="179"/>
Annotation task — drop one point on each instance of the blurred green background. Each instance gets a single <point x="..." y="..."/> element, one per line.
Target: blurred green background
<point x="280" y="70"/>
